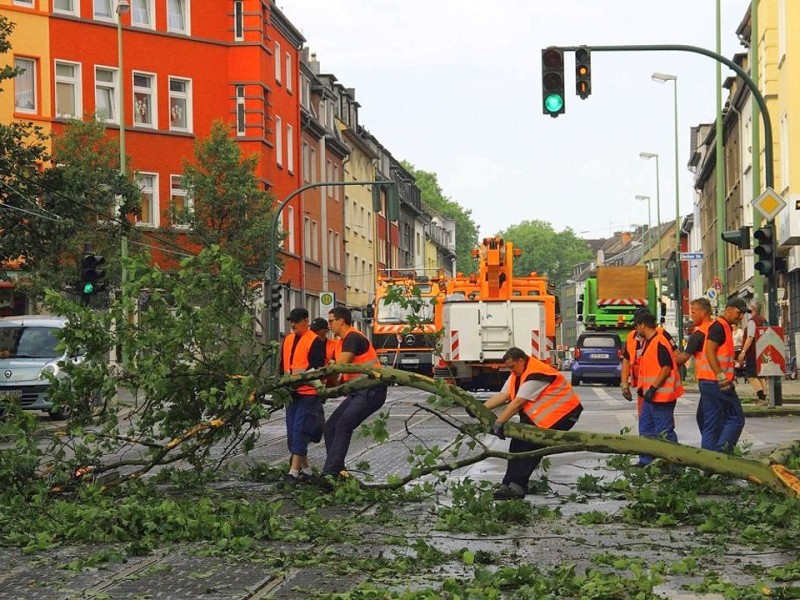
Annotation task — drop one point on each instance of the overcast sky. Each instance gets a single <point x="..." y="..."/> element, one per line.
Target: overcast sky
<point x="453" y="86"/>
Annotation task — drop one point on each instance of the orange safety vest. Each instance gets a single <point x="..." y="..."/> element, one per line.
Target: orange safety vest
<point x="555" y="402"/>
<point x="724" y="354"/>
<point x="649" y="370"/>
<point x="370" y="357"/>
<point x="330" y="350"/>
<point x="632" y="348"/>
<point x="299" y="362"/>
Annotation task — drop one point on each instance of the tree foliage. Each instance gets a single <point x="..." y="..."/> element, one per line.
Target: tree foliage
<point x="466" y="229"/>
<point x="230" y="210"/>
<point x="545" y="250"/>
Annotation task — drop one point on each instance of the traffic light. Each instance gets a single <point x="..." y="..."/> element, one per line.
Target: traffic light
<point x="583" y="72"/>
<point x="92" y="275"/>
<point x="553" y="81"/>
<point x="738" y="237"/>
<point x="765" y="251"/>
<point x="275" y="297"/>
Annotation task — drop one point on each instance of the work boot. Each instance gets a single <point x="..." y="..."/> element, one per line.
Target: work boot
<point x="510" y="491"/>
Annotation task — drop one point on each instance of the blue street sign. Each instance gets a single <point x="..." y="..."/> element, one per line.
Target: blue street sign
<point x="692" y="256"/>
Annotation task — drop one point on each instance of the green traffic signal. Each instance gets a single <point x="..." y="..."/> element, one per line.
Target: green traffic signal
<point x="553" y="103"/>
<point x="88" y="288"/>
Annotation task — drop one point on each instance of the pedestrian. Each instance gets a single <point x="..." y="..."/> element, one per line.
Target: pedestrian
<point x="632" y="355"/>
<point x="747" y="355"/>
<point x="543" y="398"/>
<point x="353" y="348"/>
<point x="659" y="383"/>
<point x="320" y="327"/>
<point x="738" y="364"/>
<point x="700" y="312"/>
<point x="302" y="351"/>
<point x="720" y="413"/>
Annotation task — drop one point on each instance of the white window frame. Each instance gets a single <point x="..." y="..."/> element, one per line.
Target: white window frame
<point x="103" y="17"/>
<point x="182" y="192"/>
<point x="187" y="17"/>
<point x="314" y="241"/>
<point x="34" y="76"/>
<point x="289" y="238"/>
<point x="289" y="72"/>
<point x="330" y="246"/>
<point x="75" y="11"/>
<point x="313" y="163"/>
<point x="305" y="92"/>
<point x="151" y="14"/>
<point x="155" y="210"/>
<point x="241" y="110"/>
<point x="279" y="141"/>
<point x="28" y="3"/>
<point x="114" y="86"/>
<point x="307" y="237"/>
<point x="187" y="96"/>
<point x="277" y="57"/>
<point x="336" y="188"/>
<point x="337" y="242"/>
<point x="290" y="148"/>
<point x="306" y="166"/>
<point x="238" y="20"/>
<point x="77" y="88"/>
<point x="152" y="92"/>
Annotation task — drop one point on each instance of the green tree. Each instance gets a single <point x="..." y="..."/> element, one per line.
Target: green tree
<point x="230" y="208"/>
<point x="545" y="250"/>
<point x="466" y="229"/>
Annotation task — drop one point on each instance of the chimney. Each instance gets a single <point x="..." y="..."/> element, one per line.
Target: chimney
<point x="625" y="238"/>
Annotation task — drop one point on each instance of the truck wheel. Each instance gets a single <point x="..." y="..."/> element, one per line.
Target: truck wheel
<point x="576" y="381"/>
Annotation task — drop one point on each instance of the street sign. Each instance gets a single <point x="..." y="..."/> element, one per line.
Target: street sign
<point x="711" y="294"/>
<point x="692" y="256"/>
<point x="326" y="303"/>
<point x="717" y="284"/>
<point x="770" y="347"/>
<point x="769" y="204"/>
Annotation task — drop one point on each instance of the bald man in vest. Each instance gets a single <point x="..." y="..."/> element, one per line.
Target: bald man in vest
<point x="542" y="397"/>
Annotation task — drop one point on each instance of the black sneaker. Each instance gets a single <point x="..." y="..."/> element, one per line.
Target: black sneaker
<point x="511" y="491"/>
<point x="288" y="482"/>
<point x="323" y="482"/>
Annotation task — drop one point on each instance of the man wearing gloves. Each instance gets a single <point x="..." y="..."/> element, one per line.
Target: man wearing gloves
<point x="542" y="397"/>
<point x="659" y="383"/>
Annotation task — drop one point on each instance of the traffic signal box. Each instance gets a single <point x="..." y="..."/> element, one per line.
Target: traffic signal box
<point x="765" y="251"/>
<point x="275" y="297"/>
<point x="553" y="81"/>
<point x="92" y="275"/>
<point x="583" y="72"/>
<point x="738" y="237"/>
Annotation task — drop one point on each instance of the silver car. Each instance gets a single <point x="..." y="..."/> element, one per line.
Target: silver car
<point x="27" y="352"/>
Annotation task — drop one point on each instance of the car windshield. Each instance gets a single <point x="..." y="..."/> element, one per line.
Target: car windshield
<point x="394" y="313"/>
<point x="28" y="342"/>
<point x="599" y="342"/>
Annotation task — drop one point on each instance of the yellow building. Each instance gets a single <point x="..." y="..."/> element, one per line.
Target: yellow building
<point x="431" y="256"/>
<point x="29" y="97"/>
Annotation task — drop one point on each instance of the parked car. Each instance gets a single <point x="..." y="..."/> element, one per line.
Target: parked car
<point x="597" y="358"/>
<point x="28" y="351"/>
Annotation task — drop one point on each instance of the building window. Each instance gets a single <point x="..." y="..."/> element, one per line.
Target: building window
<point x="180" y="202"/>
<point x="337" y="243"/>
<point x="305" y="92"/>
<point x="277" y="62"/>
<point x="369" y="225"/>
<point x="289" y="72"/>
<point x="336" y="189"/>
<point x="24" y="3"/>
<point x="238" y="20"/>
<point x="313" y="162"/>
<point x="240" y="108"/>
<point x="330" y="247"/>
<point x="307" y="237"/>
<point x="105" y="94"/>
<point x="290" y="148"/>
<point x="362" y="223"/>
<point x="314" y="241"/>
<point x="148" y="184"/>
<point x="279" y="141"/>
<point x="25" y="85"/>
<point x="289" y="239"/>
<point x="144" y="101"/>
<point x="68" y="89"/>
<point x="306" y="166"/>
<point x="69" y="7"/>
<point x="103" y="10"/>
<point x="180" y="104"/>
<point x="178" y="16"/>
<point x="142" y="13"/>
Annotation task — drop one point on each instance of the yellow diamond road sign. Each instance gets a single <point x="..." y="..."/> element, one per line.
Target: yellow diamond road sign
<point x="769" y="204"/>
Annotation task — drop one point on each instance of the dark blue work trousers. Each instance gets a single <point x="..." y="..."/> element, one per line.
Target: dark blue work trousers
<point x="720" y="417"/>
<point x="657" y="420"/>
<point x="340" y="426"/>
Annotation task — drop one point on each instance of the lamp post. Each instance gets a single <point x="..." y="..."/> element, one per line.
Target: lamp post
<point x="648" y="156"/>
<point x="123" y="6"/>
<point x="663" y="78"/>
<point x="649" y="224"/>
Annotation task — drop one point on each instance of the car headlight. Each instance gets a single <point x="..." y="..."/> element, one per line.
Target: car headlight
<point x="51" y="369"/>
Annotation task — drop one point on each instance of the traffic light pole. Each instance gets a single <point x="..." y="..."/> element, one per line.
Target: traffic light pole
<point x="272" y="275"/>
<point x="775" y="389"/>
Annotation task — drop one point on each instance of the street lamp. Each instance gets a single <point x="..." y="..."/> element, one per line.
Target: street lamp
<point x="123" y="6"/>
<point x="649" y="224"/>
<point x="663" y="78"/>
<point x="648" y="156"/>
